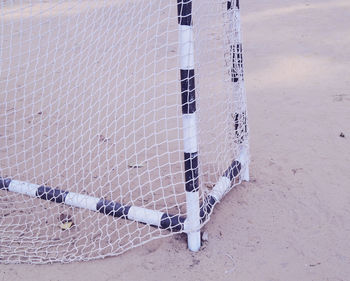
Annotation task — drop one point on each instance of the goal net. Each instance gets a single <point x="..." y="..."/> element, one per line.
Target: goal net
<point x="120" y="122"/>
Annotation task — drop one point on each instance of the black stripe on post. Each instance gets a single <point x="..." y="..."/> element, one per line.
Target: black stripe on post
<point x="207" y="207"/>
<point x="241" y="127"/>
<point x="233" y="171"/>
<point x="4" y="183"/>
<point x="237" y="62"/>
<point x="172" y="222"/>
<point x="188" y="96"/>
<point x="50" y="194"/>
<point x="232" y="3"/>
<point x="184" y="12"/>
<point x="113" y="209"/>
<point x="191" y="172"/>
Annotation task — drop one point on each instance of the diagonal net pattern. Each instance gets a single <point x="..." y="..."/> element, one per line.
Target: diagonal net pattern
<point x="90" y="103"/>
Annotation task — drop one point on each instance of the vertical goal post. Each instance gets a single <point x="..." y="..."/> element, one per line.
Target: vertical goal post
<point x="197" y="200"/>
<point x="188" y="100"/>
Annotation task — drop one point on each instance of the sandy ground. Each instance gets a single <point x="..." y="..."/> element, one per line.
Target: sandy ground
<point x="291" y="222"/>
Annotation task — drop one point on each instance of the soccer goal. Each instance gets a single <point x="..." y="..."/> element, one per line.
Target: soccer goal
<point x="120" y="122"/>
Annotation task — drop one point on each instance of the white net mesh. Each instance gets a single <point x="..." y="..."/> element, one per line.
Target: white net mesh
<point x="91" y="103"/>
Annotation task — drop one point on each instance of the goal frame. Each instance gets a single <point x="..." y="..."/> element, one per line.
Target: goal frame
<point x="197" y="212"/>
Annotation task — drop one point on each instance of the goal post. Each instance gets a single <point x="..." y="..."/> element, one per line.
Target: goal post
<point x="188" y="101"/>
<point x="119" y="124"/>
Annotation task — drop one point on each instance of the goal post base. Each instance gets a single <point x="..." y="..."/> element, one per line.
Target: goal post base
<point x="155" y="218"/>
<point x="244" y="160"/>
<point x="163" y="220"/>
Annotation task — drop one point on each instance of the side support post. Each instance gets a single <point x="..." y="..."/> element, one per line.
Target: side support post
<point x="237" y="78"/>
<point x="188" y="100"/>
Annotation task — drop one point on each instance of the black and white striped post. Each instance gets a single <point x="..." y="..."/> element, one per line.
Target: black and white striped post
<point x="171" y="222"/>
<point x="188" y="99"/>
<point x="237" y="78"/>
<point x="220" y="189"/>
<point x="148" y="216"/>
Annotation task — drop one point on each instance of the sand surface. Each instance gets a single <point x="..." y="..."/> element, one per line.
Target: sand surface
<point x="291" y="222"/>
